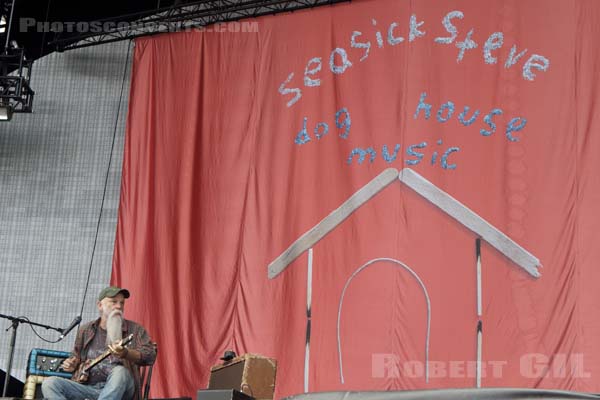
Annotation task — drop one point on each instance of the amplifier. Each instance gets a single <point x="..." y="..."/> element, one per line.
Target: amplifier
<point x="251" y="374"/>
<point x="44" y="362"/>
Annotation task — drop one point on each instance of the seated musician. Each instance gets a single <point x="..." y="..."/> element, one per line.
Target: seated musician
<point x="117" y="376"/>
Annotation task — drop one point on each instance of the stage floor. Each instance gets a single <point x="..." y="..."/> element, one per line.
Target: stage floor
<point x="449" y="394"/>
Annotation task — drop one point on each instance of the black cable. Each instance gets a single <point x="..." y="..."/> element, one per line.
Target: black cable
<point x="38" y="335"/>
<point x="44" y="31"/>
<point x="34" y="331"/>
<point x="112" y="148"/>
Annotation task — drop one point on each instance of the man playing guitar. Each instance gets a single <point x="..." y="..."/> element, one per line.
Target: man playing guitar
<point x="106" y="357"/>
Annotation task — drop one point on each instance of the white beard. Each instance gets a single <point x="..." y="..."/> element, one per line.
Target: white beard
<point x="114" y="324"/>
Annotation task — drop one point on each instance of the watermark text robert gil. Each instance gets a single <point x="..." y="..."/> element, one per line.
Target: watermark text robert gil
<point x="532" y="365"/>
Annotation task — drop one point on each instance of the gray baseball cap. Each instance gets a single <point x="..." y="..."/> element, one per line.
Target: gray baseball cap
<point x="112" y="291"/>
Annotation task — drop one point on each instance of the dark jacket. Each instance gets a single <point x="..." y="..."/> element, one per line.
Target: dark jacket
<point x="140" y="342"/>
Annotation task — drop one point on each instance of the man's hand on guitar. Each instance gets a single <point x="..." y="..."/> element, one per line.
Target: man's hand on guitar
<point x="70" y="364"/>
<point x="83" y="374"/>
<point x="118" y="349"/>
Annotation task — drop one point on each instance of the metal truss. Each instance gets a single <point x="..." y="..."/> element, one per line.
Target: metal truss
<point x="15" y="69"/>
<point x="15" y="73"/>
<point x="198" y="14"/>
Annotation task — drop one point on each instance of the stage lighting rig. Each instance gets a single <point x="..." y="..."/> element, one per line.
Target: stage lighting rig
<point x="16" y="95"/>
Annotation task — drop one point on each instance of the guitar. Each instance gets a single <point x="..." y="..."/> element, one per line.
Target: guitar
<point x="89" y="364"/>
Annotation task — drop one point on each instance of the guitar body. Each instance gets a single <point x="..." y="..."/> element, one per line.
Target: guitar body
<point x="85" y="372"/>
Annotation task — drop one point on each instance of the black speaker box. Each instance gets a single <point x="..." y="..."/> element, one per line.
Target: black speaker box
<point x="230" y="394"/>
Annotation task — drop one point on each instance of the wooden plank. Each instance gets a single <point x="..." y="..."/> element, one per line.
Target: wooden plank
<point x="336" y="217"/>
<point x="472" y="221"/>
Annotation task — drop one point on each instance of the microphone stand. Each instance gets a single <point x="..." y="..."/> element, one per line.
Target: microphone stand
<point x="15" y="324"/>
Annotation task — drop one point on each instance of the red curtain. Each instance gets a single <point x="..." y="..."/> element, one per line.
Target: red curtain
<point x="239" y="142"/>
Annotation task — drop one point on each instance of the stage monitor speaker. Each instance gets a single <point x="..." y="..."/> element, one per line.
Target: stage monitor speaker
<point x="251" y="374"/>
<point x="230" y="394"/>
<point x="15" y="386"/>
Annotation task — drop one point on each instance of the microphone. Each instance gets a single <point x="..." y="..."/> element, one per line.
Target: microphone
<point x="73" y="324"/>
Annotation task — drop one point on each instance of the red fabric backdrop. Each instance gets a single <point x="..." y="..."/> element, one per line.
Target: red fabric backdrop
<point x="218" y="180"/>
